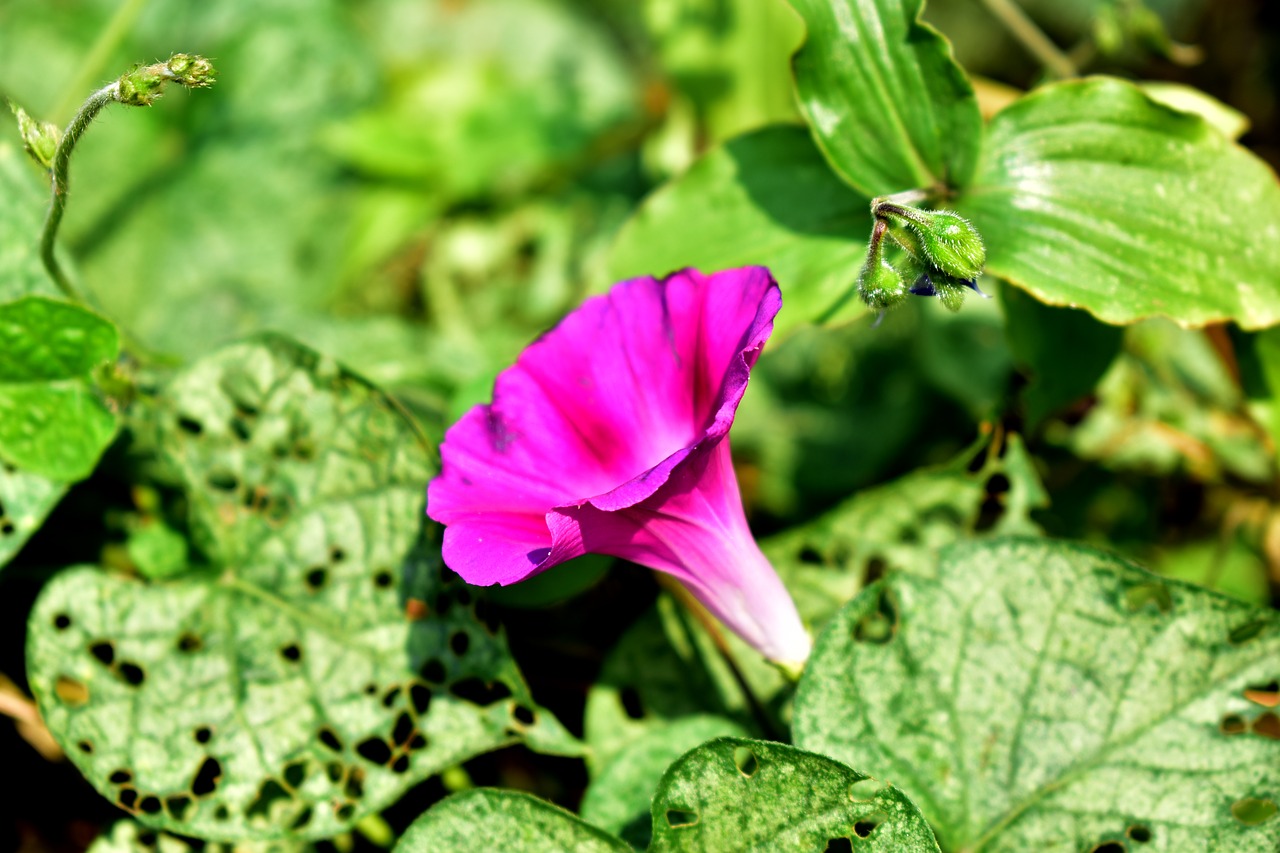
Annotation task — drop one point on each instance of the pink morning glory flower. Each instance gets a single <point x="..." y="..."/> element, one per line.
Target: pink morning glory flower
<point x="610" y="435"/>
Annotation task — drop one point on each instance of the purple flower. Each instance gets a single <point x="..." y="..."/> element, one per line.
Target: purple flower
<point x="609" y="435"/>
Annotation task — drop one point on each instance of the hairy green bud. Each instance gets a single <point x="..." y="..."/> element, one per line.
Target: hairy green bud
<point x="141" y="86"/>
<point x="880" y="286"/>
<point x="39" y="138"/>
<point x="944" y="238"/>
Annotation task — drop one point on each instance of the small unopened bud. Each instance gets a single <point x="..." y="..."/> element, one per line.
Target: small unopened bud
<point x="194" y="71"/>
<point x="39" y="138"/>
<point x="951" y="243"/>
<point x="141" y="86"/>
<point x="880" y="286"/>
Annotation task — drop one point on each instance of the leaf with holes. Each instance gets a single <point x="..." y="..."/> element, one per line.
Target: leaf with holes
<point x="886" y="100"/>
<point x="739" y="794"/>
<point x="766" y="197"/>
<point x="320" y="663"/>
<point x="1036" y="695"/>
<point x="1092" y="195"/>
<point x="621" y="792"/>
<point x="52" y="423"/>
<point x="25" y="500"/>
<point x="128" y="836"/>
<point x="489" y="819"/>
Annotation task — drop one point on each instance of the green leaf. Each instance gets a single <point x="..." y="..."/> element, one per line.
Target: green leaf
<point x="1042" y="696"/>
<point x="55" y="431"/>
<point x="128" y="836"/>
<point x="764" y="198"/>
<point x="738" y="794"/>
<point x="1066" y="351"/>
<point x="620" y="794"/>
<point x="1229" y="121"/>
<point x="25" y="500"/>
<point x="321" y="662"/>
<point x="886" y="100"/>
<point x="1092" y="195"/>
<point x="490" y="819"/>
<point x="44" y="340"/>
<point x="21" y="215"/>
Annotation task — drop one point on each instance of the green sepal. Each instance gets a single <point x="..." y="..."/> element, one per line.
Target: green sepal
<point x="880" y="286"/>
<point x="39" y="138"/>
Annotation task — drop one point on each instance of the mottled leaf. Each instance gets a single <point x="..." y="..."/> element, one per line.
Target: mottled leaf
<point x="1092" y="195"/>
<point x="489" y="819"/>
<point x="739" y="794"/>
<point x="886" y="100"/>
<point x="1036" y="695"/>
<point x="321" y="661"/>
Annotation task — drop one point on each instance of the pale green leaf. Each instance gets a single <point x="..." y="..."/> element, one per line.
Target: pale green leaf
<point x="321" y="662"/>
<point x="490" y="819"/>
<point x="886" y="100"/>
<point x="1041" y="696"/>
<point x="764" y="198"/>
<point x="1092" y="195"/>
<point x="621" y="793"/>
<point x="21" y="215"/>
<point x="25" y="500"/>
<point x="1229" y="121"/>
<point x="738" y="794"/>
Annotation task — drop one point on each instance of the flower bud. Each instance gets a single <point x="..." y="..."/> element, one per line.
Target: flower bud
<point x="951" y="243"/>
<point x="879" y="285"/>
<point x="39" y="138"/>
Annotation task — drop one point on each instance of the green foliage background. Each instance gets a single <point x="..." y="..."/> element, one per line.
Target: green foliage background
<point x="214" y="575"/>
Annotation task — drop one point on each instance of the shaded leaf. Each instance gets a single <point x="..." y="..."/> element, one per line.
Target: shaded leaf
<point x="764" y="198"/>
<point x="739" y="794"/>
<point x="886" y="100"/>
<point x="25" y="500"/>
<point x="491" y="819"/>
<point x="321" y="662"/>
<point x="21" y="216"/>
<point x="620" y="794"/>
<point x="1042" y="696"/>
<point x="1092" y="195"/>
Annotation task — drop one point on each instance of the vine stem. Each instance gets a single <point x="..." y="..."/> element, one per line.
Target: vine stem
<point x="1031" y="37"/>
<point x="61" y="182"/>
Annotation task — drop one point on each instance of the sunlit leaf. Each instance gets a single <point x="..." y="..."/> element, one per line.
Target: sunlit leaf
<point x="488" y="819"/>
<point x="1042" y="696"/>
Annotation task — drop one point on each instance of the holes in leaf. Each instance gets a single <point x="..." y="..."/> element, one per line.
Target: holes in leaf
<point x="374" y="750"/>
<point x="876" y="567"/>
<point x="371" y="689"/>
<point x="85" y="747"/>
<point x="191" y="426"/>
<point x="1246" y="632"/>
<point x="303" y="818"/>
<point x="382" y="579"/>
<point x="177" y="805"/>
<point x="222" y="480"/>
<point x="479" y="691"/>
<point x="119" y="777"/>
<point x="334" y="771"/>
<point x="839" y="845"/>
<point x="1154" y="594"/>
<point x="679" y="818"/>
<point x="811" y="555"/>
<point x="865" y="790"/>
<point x="336" y="554"/>
<point x="745" y="760"/>
<point x="269" y="794"/>
<point x="880" y="624"/>
<point x="132" y="674"/>
<point x="400" y="765"/>
<point x="418" y="741"/>
<point x="1268" y="726"/>
<point x="207" y="777"/>
<point x="1266" y="695"/>
<point x="354" y="788"/>
<point x="420" y="697"/>
<point x="993" y="500"/>
<point x="127" y="798"/>
<point x="150" y="805"/>
<point x="403" y="729"/>
<point x="868" y="824"/>
<point x="631" y="704"/>
<point x="1233" y="724"/>
<point x="433" y="670"/>
<point x="62" y="621"/>
<point x="71" y="691"/>
<point x="7" y="527"/>
<point x="459" y="642"/>
<point x="291" y="653"/>
<point x="240" y="428"/>
<point x="202" y="734"/>
<point x="330" y="739"/>
<point x="1110" y="847"/>
<point x="104" y="651"/>
<point x="295" y="773"/>
<point x="523" y="715"/>
<point x="147" y="839"/>
<point x="316" y="578"/>
<point x="345" y="811"/>
<point x="390" y="697"/>
<point x="189" y="643"/>
<point x="1139" y="833"/>
<point x="221" y="813"/>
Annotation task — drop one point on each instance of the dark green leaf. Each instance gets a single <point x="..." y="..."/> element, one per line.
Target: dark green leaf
<point x="1066" y="351"/>
<point x="763" y="198"/>
<point x="490" y="819"/>
<point x="886" y="100"/>
<point x="1092" y="195"/>
<point x="621" y="793"/>
<point x="44" y="340"/>
<point x="738" y="794"/>
<point x="322" y="663"/>
<point x="1042" y="696"/>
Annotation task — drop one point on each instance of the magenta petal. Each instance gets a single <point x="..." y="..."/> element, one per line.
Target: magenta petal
<point x="634" y="390"/>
